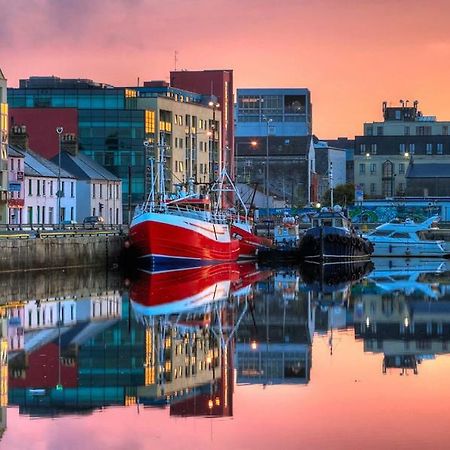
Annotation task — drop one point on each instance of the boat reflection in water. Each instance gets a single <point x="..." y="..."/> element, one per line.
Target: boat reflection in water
<point x="192" y="328"/>
<point x="403" y="311"/>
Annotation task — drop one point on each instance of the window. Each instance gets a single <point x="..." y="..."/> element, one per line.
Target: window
<point x="423" y="130"/>
<point x="93" y="191"/>
<point x="373" y="168"/>
<point x="62" y="189"/>
<point x="440" y="149"/>
<point x="373" y="149"/>
<point x="372" y="188"/>
<point x="51" y="188"/>
<point x="72" y="190"/>
<point x="110" y="191"/>
<point x="101" y="191"/>
<point x="362" y="169"/>
<point x="429" y="149"/>
<point x="362" y="149"/>
<point x="380" y="131"/>
<point x="402" y="148"/>
<point x="407" y="131"/>
<point x="369" y="130"/>
<point x="445" y="130"/>
<point x="401" y="235"/>
<point x="412" y="148"/>
<point x="401" y="168"/>
<point x="12" y="164"/>
<point x="30" y="187"/>
<point x="44" y="182"/>
<point x="38" y="189"/>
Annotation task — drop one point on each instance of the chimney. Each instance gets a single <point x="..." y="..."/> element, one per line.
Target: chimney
<point x="69" y="144"/>
<point x="18" y="136"/>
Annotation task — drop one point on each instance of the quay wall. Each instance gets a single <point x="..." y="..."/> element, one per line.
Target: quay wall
<point x="60" y="252"/>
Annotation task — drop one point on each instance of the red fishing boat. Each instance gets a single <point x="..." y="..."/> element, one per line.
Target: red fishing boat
<point x="249" y="242"/>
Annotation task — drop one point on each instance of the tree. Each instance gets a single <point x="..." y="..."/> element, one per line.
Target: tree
<point x="343" y="194"/>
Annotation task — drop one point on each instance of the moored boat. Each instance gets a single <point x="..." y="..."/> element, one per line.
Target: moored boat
<point x="182" y="233"/>
<point x="333" y="239"/>
<point x="250" y="244"/>
<point x="407" y="239"/>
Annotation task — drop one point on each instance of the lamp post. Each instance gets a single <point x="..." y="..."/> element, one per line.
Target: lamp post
<point x="59" y="131"/>
<point x="212" y="155"/>
<point x="268" y="122"/>
<point x="253" y="144"/>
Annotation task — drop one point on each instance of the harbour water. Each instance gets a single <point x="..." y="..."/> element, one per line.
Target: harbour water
<point x="230" y="356"/>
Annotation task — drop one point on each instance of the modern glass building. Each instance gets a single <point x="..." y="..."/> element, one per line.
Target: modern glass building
<point x="110" y="128"/>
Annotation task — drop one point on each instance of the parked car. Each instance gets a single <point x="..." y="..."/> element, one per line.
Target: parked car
<point x="93" y="220"/>
<point x="69" y="223"/>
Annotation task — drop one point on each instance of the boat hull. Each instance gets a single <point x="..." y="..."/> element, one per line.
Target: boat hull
<point x="165" y="241"/>
<point x="331" y="245"/>
<point x="249" y="243"/>
<point x="409" y="249"/>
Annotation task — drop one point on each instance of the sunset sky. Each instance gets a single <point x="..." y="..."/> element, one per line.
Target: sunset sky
<point x="351" y="54"/>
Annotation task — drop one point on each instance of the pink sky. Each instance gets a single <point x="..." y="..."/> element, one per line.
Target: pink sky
<point x="352" y="55"/>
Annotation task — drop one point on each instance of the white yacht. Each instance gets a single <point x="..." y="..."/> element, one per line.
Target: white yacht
<point x="407" y="239"/>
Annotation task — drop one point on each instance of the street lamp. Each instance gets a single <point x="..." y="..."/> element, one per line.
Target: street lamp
<point x="214" y="106"/>
<point x="268" y="122"/>
<point x="59" y="131"/>
<point x="252" y="144"/>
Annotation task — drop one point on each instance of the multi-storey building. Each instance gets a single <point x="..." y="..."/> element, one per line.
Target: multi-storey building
<point x="188" y="127"/>
<point x="16" y="201"/>
<point x="386" y="150"/>
<point x="217" y="85"/>
<point x="274" y="143"/>
<point x="3" y="150"/>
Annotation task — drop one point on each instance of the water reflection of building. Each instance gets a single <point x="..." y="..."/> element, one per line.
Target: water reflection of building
<point x="3" y="370"/>
<point x="405" y="316"/>
<point x="274" y="339"/>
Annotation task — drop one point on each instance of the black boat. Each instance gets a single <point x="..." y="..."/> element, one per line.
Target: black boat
<point x="332" y="239"/>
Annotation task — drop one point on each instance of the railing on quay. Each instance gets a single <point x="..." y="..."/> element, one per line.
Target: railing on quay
<point x="32" y="231"/>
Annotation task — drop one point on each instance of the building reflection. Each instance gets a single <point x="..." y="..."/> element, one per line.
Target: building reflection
<point x="274" y="340"/>
<point x="3" y="369"/>
<point x="403" y="311"/>
<point x="151" y="349"/>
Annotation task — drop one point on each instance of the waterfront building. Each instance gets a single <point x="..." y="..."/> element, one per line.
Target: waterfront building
<point x="189" y="127"/>
<point x="98" y="191"/>
<point x="3" y="150"/>
<point x="217" y="86"/>
<point x="42" y="178"/>
<point x="274" y="143"/>
<point x="386" y="150"/>
<point x="16" y="201"/>
<point x="348" y="145"/>
<point x="110" y="128"/>
<point x="331" y="166"/>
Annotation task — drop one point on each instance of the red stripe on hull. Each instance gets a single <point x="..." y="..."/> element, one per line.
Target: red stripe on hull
<point x="156" y="238"/>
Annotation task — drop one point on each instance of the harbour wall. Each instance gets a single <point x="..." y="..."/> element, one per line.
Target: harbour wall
<point x="60" y="251"/>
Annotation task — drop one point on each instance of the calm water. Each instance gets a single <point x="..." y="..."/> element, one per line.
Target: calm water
<point x="228" y="357"/>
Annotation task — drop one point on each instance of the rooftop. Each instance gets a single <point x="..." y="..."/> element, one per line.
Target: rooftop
<point x="430" y="170"/>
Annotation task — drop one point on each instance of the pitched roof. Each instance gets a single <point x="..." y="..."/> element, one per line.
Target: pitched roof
<point x="36" y="165"/>
<point x="428" y="170"/>
<point x="84" y="168"/>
